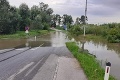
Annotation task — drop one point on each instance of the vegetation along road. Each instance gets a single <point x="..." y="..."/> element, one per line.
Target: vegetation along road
<point x="31" y="47"/>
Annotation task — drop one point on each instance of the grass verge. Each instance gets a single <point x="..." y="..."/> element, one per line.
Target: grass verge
<point x="59" y="28"/>
<point x="22" y="34"/>
<point x="89" y="64"/>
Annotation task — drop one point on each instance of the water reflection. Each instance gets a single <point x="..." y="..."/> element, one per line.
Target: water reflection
<point x="104" y="52"/>
<point x="11" y="43"/>
<point x="56" y="39"/>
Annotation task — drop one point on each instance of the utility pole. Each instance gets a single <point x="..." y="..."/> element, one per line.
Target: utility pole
<point x="85" y="16"/>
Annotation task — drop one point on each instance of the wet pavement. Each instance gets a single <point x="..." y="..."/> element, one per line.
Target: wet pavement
<point x="18" y="57"/>
<point x="28" y="58"/>
<point x="60" y="68"/>
<point x="25" y="65"/>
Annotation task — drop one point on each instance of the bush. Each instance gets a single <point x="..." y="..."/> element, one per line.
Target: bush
<point x="76" y="30"/>
<point x="46" y="26"/>
<point x="113" y="35"/>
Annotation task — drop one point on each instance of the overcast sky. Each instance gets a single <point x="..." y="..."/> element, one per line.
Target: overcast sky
<point x="99" y="11"/>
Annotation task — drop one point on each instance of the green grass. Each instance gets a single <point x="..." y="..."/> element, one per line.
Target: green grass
<point x="95" y="37"/>
<point x="89" y="64"/>
<point x="22" y="34"/>
<point x="89" y="36"/>
<point x="60" y="28"/>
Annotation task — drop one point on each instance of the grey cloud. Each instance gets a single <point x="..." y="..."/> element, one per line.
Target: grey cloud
<point x="96" y="8"/>
<point x="71" y="11"/>
<point x="108" y="3"/>
<point x="103" y="7"/>
<point x="102" y="11"/>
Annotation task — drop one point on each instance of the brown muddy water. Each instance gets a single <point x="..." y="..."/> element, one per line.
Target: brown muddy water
<point x="104" y="51"/>
<point x="55" y="39"/>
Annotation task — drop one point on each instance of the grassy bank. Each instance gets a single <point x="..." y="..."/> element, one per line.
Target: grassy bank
<point x="90" y="36"/>
<point x="89" y="64"/>
<point x="22" y="34"/>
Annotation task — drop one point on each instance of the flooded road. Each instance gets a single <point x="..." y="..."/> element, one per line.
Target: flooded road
<point x="55" y="39"/>
<point x="21" y="59"/>
<point x="104" y="52"/>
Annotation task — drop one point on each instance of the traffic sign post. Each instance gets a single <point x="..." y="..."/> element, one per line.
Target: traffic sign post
<point x="27" y="29"/>
<point x="107" y="71"/>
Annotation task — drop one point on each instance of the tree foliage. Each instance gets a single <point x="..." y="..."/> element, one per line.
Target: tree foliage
<point x="67" y="19"/>
<point x="25" y="14"/>
<point x="76" y="30"/>
<point x="40" y="16"/>
<point x="110" y="31"/>
<point x="4" y="17"/>
<point x="13" y="19"/>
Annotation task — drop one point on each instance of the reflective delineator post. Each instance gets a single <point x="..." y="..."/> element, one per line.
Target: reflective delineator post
<point x="35" y="38"/>
<point x="107" y="71"/>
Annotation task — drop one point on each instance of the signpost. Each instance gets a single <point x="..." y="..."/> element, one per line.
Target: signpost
<point x="26" y="29"/>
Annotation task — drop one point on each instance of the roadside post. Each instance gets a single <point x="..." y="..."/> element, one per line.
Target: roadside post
<point x="27" y="31"/>
<point x="107" y="71"/>
<point x="35" y="38"/>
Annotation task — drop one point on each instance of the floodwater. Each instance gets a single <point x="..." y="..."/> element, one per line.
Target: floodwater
<point x="54" y="39"/>
<point x="104" y="51"/>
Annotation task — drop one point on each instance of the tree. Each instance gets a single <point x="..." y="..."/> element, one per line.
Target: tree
<point x="44" y="13"/>
<point x="14" y="19"/>
<point x="77" y="21"/>
<point x="43" y="6"/>
<point x="37" y="23"/>
<point x="67" y="19"/>
<point x="49" y="11"/>
<point x="34" y="12"/>
<point x="4" y="17"/>
<point x="25" y="15"/>
<point x="58" y="19"/>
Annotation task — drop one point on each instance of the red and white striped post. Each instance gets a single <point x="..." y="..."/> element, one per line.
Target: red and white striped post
<point x="107" y="71"/>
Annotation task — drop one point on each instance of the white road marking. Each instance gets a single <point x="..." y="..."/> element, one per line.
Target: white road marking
<point x="22" y="48"/>
<point x="37" y="47"/>
<point x="20" y="71"/>
<point x="25" y="67"/>
<point x="34" y="48"/>
<point x="4" y="50"/>
<point x="19" y="49"/>
<point x="41" y="45"/>
<point x="12" y="77"/>
<point x="56" y="70"/>
<point x="33" y="67"/>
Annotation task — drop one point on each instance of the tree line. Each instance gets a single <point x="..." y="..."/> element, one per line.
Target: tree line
<point x="110" y="31"/>
<point x="38" y="17"/>
<point x="77" y="28"/>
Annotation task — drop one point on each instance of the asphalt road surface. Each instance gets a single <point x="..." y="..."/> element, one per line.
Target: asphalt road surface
<point x="24" y="63"/>
<point x="52" y="61"/>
